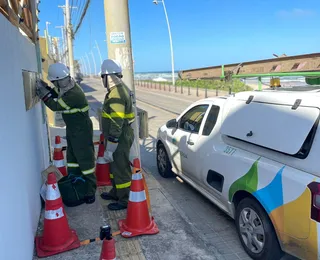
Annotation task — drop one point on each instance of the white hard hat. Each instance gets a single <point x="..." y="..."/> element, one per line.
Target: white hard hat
<point x="57" y="71"/>
<point x="110" y="66"/>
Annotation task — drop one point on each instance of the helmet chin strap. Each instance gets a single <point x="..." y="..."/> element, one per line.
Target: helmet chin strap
<point x="105" y="82"/>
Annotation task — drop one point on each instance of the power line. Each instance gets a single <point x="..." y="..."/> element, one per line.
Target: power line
<point x="80" y="10"/>
<point x="73" y="12"/>
<point x="82" y="17"/>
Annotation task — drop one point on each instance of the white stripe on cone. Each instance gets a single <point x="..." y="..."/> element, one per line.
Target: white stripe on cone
<point x="58" y="146"/>
<point x="137" y="196"/>
<point x="54" y="214"/>
<point x="53" y="192"/>
<point x="136" y="176"/>
<point x="59" y="163"/>
<point x="101" y="160"/>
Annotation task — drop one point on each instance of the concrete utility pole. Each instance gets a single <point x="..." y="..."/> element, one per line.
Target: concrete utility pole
<point x="56" y="41"/>
<point x="63" y="46"/>
<point x="69" y="39"/>
<point x="97" y="46"/>
<point x="119" y="48"/>
<point x="65" y="54"/>
<point x="64" y="30"/>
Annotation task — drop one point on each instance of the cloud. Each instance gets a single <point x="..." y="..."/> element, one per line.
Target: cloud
<point x="295" y="13"/>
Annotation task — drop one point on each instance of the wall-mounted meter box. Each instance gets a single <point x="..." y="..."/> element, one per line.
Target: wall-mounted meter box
<point x="29" y="84"/>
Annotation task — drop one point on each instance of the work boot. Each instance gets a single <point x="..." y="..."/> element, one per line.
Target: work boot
<point x="108" y="196"/>
<point x="116" y="206"/>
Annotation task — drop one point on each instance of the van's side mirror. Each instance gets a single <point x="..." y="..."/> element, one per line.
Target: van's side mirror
<point x="172" y="123"/>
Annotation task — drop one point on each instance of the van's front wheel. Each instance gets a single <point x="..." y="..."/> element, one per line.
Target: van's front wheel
<point x="256" y="232"/>
<point x="163" y="162"/>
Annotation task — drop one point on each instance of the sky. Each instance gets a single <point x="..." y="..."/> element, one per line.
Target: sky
<point x="204" y="32"/>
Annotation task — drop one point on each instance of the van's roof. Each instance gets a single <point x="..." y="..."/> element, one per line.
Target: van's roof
<point x="285" y="97"/>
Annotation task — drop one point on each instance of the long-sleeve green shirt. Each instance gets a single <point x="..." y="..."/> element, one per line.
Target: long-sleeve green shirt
<point x="117" y="111"/>
<point x="73" y="105"/>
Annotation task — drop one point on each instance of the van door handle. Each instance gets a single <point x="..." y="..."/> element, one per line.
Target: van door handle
<point x="190" y="143"/>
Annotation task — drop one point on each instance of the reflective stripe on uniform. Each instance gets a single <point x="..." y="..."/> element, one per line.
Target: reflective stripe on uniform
<point x="136" y="176"/>
<point x="53" y="192"/>
<point x="58" y="163"/>
<point x="54" y="214"/>
<point x="137" y="196"/>
<point x="111" y="176"/>
<point x="118" y="115"/>
<point x="123" y="185"/>
<point x="73" y="165"/>
<point x="76" y="110"/>
<point x="63" y="104"/>
<point x="89" y="171"/>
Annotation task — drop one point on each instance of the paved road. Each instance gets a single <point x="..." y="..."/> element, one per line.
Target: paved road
<point x="213" y="226"/>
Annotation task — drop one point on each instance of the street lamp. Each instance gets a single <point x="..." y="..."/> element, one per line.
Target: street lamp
<point x="97" y="47"/>
<point x="94" y="63"/>
<point x="84" y="68"/>
<point x="156" y="2"/>
<point x="88" y="64"/>
<point x="85" y="65"/>
<point x="48" y="38"/>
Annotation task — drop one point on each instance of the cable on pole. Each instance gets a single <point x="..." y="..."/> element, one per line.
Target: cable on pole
<point x="82" y="17"/>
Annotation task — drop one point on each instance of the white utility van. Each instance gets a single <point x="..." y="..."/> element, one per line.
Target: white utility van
<point x="256" y="155"/>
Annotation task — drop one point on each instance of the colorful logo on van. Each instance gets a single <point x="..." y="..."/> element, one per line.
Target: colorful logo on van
<point x="248" y="182"/>
<point x="271" y="196"/>
<point x="297" y="232"/>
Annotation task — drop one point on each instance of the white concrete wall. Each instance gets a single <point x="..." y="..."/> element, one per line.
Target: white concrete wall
<point x="23" y="148"/>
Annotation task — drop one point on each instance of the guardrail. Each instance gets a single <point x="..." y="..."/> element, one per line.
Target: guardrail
<point x="181" y="89"/>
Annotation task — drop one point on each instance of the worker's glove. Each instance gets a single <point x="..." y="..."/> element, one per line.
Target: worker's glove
<point x="42" y="89"/>
<point x="111" y="147"/>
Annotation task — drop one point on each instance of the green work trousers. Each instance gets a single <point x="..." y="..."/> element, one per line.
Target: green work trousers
<point x="120" y="169"/>
<point x="80" y="155"/>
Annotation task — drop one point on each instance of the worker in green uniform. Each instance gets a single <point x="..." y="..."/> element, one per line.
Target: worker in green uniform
<point x="117" y="117"/>
<point x="70" y="99"/>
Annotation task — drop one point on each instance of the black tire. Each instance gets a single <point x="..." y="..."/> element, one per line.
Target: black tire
<point x="271" y="249"/>
<point x="163" y="162"/>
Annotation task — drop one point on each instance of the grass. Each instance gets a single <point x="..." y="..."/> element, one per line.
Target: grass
<point x="237" y="85"/>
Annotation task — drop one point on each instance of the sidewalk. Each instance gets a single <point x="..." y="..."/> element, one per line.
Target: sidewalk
<point x="177" y="239"/>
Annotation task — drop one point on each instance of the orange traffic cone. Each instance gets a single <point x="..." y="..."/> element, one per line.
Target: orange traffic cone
<point x="137" y="169"/>
<point x="58" y="159"/>
<point x="57" y="236"/>
<point x="102" y="168"/>
<point x="138" y="221"/>
<point x="108" y="250"/>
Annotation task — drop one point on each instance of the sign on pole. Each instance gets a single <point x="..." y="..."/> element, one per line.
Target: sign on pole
<point x="117" y="37"/>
